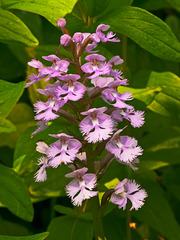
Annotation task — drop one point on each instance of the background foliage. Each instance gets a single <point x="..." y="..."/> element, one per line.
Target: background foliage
<point x="150" y="33"/>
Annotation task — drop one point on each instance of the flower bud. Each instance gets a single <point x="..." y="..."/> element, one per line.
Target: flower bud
<point x="61" y="22"/>
<point x="78" y="37"/>
<point x="65" y="40"/>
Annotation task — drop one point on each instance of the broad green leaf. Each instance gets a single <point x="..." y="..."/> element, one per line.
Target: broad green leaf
<point x="9" y="95"/>
<point x="69" y="228"/>
<point x="161" y="148"/>
<point x="162" y="94"/>
<point x="40" y="236"/>
<point x="6" y="126"/>
<point x="174" y="23"/>
<point x="148" y="31"/>
<point x="22" y="117"/>
<point x="10" y="66"/>
<point x="175" y="4"/>
<point x="151" y="5"/>
<point x="52" y="10"/>
<point x="54" y="186"/>
<point x="157" y="211"/>
<point x="13" y="30"/>
<point x="75" y="212"/>
<point x="14" y="194"/>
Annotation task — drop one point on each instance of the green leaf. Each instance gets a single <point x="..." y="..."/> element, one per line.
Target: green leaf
<point x="6" y="126"/>
<point x="9" y="95"/>
<point x="14" y="194"/>
<point x="22" y="117"/>
<point x="69" y="228"/>
<point x="175" y="4"/>
<point x="157" y="211"/>
<point x="40" y="236"/>
<point x="161" y="148"/>
<point x="13" y="30"/>
<point x="146" y="30"/>
<point x="52" y="10"/>
<point x="174" y="24"/>
<point x="162" y="94"/>
<point x="151" y="5"/>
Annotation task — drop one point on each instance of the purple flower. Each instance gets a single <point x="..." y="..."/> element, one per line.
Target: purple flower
<point x="97" y="126"/>
<point x="42" y="126"/>
<point x="102" y="37"/>
<point x="78" y="37"/>
<point x="64" y="150"/>
<point x="45" y="111"/>
<point x="95" y="65"/>
<point x="81" y="187"/>
<point x="131" y="164"/>
<point x="112" y="97"/>
<point x="128" y="189"/>
<point x="123" y="147"/>
<point x="65" y="40"/>
<point x="102" y="82"/>
<point x="58" y="66"/>
<point x="136" y="118"/>
<point x="41" y="175"/>
<point x="72" y="90"/>
<point x="61" y="22"/>
<point x="41" y="74"/>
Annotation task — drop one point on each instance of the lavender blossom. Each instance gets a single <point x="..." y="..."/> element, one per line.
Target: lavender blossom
<point x="136" y="118"/>
<point x="72" y="90"/>
<point x="81" y="187"/>
<point x="64" y="150"/>
<point x="123" y="147"/>
<point x="102" y="37"/>
<point x="128" y="189"/>
<point x="97" y="126"/>
<point x="41" y="175"/>
<point x="95" y="65"/>
<point x="111" y="96"/>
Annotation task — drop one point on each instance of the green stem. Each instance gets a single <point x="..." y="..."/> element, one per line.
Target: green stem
<point x="95" y="207"/>
<point x="128" y="220"/>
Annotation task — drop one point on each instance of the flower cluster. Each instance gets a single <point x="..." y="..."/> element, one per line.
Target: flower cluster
<point x="95" y="78"/>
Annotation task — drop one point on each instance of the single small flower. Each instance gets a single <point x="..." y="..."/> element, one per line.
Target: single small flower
<point x="61" y="22"/>
<point x="102" y="37"/>
<point x="124" y="147"/>
<point x="64" y="150"/>
<point x="65" y="40"/>
<point x="97" y="126"/>
<point x="136" y="118"/>
<point x="128" y="189"/>
<point x="78" y="37"/>
<point x="95" y="65"/>
<point x="41" y="175"/>
<point x="72" y="90"/>
<point x="81" y="187"/>
<point x="112" y="97"/>
<point x="42" y="126"/>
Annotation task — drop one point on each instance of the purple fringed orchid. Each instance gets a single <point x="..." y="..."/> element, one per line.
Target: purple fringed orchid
<point x="58" y="66"/>
<point x="96" y="64"/>
<point x="64" y="150"/>
<point x="72" y="90"/>
<point x="136" y="118"/>
<point x="128" y="189"/>
<point x="81" y="187"/>
<point x="112" y="97"/>
<point x="123" y="147"/>
<point x="100" y="36"/>
<point x="41" y="175"/>
<point x="97" y="126"/>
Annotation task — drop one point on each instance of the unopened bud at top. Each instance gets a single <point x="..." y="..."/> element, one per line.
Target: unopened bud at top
<point x="61" y="22"/>
<point x="65" y="40"/>
<point x="78" y="37"/>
